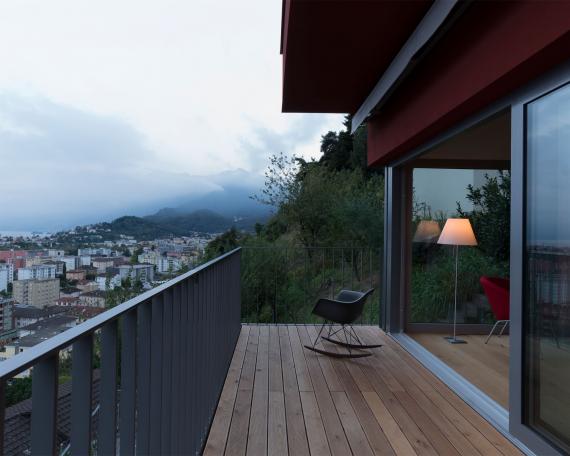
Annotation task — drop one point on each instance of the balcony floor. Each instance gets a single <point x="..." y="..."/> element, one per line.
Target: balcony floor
<point x="282" y="399"/>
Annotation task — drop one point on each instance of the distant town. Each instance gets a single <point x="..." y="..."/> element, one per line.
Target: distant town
<point x="52" y="282"/>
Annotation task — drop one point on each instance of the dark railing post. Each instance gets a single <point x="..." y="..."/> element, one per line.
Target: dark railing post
<point x="107" y="441"/>
<point x="144" y="317"/>
<point x="166" y="408"/>
<point x="44" y="413"/>
<point x="81" y="372"/>
<point x="127" y="407"/>
<point x="156" y="352"/>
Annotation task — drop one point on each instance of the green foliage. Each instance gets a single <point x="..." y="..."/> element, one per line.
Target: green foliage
<point x="294" y="258"/>
<point x="433" y="282"/>
<point x="17" y="390"/>
<point x="491" y="215"/>
<point x="223" y="243"/>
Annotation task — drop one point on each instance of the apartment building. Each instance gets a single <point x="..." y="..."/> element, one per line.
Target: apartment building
<point x="37" y="293"/>
<point x="4" y="277"/>
<point x="142" y="272"/>
<point x="37" y="272"/>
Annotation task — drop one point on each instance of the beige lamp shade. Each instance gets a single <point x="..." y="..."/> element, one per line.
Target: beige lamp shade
<point x="457" y="231"/>
<point x="427" y="231"/>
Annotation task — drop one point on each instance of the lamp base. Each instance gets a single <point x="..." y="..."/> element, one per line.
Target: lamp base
<point x="454" y="340"/>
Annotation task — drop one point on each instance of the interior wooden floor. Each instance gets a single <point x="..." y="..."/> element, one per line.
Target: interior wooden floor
<point x="486" y="366"/>
<point x="280" y="398"/>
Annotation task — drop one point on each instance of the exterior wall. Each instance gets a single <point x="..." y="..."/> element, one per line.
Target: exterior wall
<point x="493" y="48"/>
<point x="4" y="277"/>
<point x="37" y="293"/>
<point x="38" y="272"/>
<point x="75" y="274"/>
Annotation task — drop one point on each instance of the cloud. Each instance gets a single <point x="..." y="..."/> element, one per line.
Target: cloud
<point x="262" y="141"/>
<point x="62" y="166"/>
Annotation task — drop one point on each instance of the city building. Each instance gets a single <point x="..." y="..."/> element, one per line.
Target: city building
<point x="76" y="274"/>
<point x="86" y="285"/>
<point x="59" y="266"/>
<point x="85" y="260"/>
<point x="95" y="298"/>
<point x="137" y="272"/>
<point x="36" y="333"/>
<point x="107" y="282"/>
<point x="68" y="301"/>
<point x="37" y="272"/>
<point x="26" y="315"/>
<point x="37" y="293"/>
<point x="6" y="314"/>
<point x="102" y="263"/>
<point x="94" y="251"/>
<point x="71" y="262"/>
<point x="55" y="253"/>
<point x="4" y="276"/>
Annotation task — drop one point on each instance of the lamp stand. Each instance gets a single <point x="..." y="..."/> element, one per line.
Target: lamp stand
<point x="453" y="339"/>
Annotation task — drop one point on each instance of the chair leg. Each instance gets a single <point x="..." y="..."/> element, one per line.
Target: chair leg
<point x="492" y="331"/>
<point x="319" y="334"/>
<point x="504" y="326"/>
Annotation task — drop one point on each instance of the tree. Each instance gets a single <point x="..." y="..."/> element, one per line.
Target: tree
<point x="491" y="214"/>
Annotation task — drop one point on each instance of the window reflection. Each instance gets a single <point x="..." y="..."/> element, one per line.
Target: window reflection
<point x="547" y="308"/>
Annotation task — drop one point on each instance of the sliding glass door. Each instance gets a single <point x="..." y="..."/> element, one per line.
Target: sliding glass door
<point x="546" y="344"/>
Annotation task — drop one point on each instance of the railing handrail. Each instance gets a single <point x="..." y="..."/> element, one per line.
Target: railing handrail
<point x="19" y="363"/>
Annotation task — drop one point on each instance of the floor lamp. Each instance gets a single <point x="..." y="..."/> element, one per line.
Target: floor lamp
<point x="456" y="232"/>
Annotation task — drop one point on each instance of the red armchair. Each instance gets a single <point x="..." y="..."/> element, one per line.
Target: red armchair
<point x="497" y="291"/>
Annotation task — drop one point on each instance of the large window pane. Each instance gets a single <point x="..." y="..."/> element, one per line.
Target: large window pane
<point x="547" y="314"/>
<point x="440" y="194"/>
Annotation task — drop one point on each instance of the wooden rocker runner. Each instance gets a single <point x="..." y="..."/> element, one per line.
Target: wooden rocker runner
<point x="344" y="310"/>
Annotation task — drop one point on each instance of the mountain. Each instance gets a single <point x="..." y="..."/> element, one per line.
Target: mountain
<point x="203" y="220"/>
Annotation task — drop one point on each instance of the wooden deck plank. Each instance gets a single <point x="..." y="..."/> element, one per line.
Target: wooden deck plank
<point x="257" y="435"/>
<point x="376" y="438"/>
<point x="296" y="431"/>
<point x="395" y="436"/>
<point x="277" y="425"/>
<point x="406" y="375"/>
<point x="387" y="404"/>
<point x="221" y="425"/>
<point x="352" y="428"/>
<point x="335" y="433"/>
<point x="237" y="436"/>
<point x="476" y="420"/>
<point x="276" y="421"/>
<point x="303" y="377"/>
<point x="446" y="417"/>
<point x="316" y="434"/>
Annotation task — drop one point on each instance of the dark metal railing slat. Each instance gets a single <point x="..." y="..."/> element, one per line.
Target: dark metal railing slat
<point x="127" y="408"/>
<point x="82" y="374"/>
<point x="176" y="369"/>
<point x="44" y="412"/>
<point x="156" y="352"/>
<point x="107" y="440"/>
<point x="166" y="408"/>
<point x="144" y="339"/>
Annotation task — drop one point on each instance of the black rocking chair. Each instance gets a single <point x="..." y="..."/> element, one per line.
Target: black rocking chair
<point x="343" y="311"/>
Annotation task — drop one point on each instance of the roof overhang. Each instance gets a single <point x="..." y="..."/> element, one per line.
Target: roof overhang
<point x="334" y="52"/>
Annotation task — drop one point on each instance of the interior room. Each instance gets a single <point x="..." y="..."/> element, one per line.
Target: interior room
<point x="457" y="303"/>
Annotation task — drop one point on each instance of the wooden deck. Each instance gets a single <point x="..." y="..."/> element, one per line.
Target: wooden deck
<point x="282" y="399"/>
<point x="484" y="365"/>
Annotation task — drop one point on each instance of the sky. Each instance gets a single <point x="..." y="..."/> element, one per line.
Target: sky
<point x="119" y="107"/>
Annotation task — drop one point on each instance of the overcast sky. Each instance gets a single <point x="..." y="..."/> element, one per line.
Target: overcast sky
<point x="113" y="106"/>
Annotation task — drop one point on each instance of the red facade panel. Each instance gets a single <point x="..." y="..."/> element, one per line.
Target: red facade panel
<point x="492" y="49"/>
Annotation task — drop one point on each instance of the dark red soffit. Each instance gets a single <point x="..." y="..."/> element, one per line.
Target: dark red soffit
<point x="334" y="51"/>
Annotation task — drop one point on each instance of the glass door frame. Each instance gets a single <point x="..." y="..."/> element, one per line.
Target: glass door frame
<point x="395" y="276"/>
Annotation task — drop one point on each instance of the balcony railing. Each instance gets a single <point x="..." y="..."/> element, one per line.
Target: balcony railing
<point x="161" y="361"/>
<point x="282" y="284"/>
